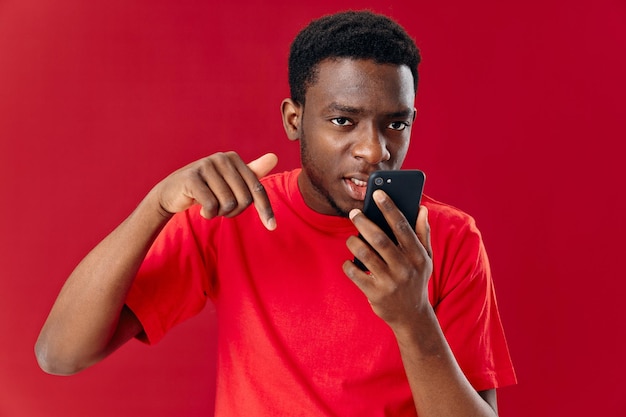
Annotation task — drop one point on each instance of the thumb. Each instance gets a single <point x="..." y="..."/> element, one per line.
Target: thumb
<point x="422" y="230"/>
<point x="263" y="165"/>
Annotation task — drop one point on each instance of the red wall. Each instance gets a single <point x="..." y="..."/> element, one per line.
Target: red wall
<point x="521" y="121"/>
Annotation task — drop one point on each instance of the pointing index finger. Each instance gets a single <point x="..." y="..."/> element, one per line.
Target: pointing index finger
<point x="263" y="205"/>
<point x="261" y="167"/>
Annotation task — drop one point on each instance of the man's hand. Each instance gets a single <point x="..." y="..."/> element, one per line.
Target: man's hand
<point x="89" y="319"/>
<point x="397" y="284"/>
<point x="397" y="289"/>
<point x="222" y="184"/>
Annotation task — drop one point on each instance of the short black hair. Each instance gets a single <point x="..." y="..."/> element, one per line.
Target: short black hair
<point x="350" y="34"/>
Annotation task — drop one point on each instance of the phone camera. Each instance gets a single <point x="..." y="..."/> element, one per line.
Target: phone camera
<point x="378" y="181"/>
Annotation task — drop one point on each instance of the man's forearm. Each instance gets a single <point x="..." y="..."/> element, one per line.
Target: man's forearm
<point x="439" y="387"/>
<point x="85" y="317"/>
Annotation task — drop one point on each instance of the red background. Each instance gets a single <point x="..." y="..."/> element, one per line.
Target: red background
<point x="521" y="123"/>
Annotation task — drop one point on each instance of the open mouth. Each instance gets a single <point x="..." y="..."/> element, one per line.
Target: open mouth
<point x="356" y="188"/>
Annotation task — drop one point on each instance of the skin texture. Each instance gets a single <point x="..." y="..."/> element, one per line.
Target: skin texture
<point x="88" y="321"/>
<point x="357" y="119"/>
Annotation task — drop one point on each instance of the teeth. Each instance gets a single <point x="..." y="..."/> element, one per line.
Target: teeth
<point x="358" y="182"/>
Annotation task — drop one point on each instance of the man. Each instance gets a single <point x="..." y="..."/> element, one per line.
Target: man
<point x="419" y="334"/>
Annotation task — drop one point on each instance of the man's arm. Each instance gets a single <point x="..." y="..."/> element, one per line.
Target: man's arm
<point x="397" y="289"/>
<point x="89" y="320"/>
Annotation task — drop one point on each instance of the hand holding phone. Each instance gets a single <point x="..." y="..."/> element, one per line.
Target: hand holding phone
<point x="404" y="187"/>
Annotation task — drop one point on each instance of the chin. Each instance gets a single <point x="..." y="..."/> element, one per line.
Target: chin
<point x="340" y="211"/>
<point x="345" y="209"/>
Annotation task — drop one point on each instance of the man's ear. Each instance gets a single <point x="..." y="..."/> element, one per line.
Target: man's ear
<point x="292" y="118"/>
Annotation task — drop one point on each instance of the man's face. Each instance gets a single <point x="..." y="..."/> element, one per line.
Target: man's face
<point x="357" y="119"/>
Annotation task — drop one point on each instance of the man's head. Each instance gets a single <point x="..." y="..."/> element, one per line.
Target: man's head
<point x="354" y="35"/>
<point x="358" y="72"/>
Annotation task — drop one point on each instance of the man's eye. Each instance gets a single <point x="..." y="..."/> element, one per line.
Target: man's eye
<point x="398" y="125"/>
<point x="341" y="121"/>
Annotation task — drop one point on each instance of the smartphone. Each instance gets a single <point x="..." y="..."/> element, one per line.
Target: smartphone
<point x="404" y="187"/>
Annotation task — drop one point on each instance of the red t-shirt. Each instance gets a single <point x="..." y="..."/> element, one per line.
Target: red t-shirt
<point x="295" y="335"/>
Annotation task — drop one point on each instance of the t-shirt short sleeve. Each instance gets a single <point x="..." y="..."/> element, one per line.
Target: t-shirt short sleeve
<point x="465" y="302"/>
<point x="173" y="282"/>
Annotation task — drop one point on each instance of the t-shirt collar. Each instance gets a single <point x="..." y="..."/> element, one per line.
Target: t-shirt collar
<point x="320" y="221"/>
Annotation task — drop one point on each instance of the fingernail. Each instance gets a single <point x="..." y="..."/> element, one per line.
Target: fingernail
<point x="270" y="223"/>
<point x="379" y="196"/>
<point x="353" y="213"/>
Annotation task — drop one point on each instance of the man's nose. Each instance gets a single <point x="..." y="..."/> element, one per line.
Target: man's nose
<point x="371" y="146"/>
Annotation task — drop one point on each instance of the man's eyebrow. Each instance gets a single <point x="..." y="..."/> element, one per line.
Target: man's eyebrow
<point x="402" y="114"/>
<point x="334" y="106"/>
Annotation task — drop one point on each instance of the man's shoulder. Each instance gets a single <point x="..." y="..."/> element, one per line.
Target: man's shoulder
<point x="440" y="209"/>
<point x="281" y="182"/>
<point x="443" y="216"/>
